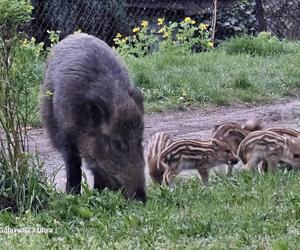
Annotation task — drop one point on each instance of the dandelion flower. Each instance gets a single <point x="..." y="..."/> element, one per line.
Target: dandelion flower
<point x="210" y="44"/>
<point x="136" y="29"/>
<point x="144" y="24"/>
<point x="160" y="21"/>
<point x="193" y="22"/>
<point x="118" y="35"/>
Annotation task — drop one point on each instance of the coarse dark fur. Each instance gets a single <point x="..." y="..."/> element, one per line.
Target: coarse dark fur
<point x="92" y="111"/>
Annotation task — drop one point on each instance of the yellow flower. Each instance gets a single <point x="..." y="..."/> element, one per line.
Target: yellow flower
<point x="210" y="44"/>
<point x="160" y="21"/>
<point x="162" y="30"/>
<point x="124" y="39"/>
<point x="193" y="22"/>
<point x="136" y="29"/>
<point x="25" y="43"/>
<point x="203" y="26"/>
<point x="144" y="24"/>
<point x="166" y="34"/>
<point x="118" y="35"/>
<point x="188" y="20"/>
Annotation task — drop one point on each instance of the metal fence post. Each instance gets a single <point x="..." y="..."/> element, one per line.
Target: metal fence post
<point x="260" y="15"/>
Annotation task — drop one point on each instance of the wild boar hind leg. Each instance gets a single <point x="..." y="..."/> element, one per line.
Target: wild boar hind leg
<point x="203" y="171"/>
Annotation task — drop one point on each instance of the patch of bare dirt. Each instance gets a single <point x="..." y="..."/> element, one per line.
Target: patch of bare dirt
<point x="190" y="124"/>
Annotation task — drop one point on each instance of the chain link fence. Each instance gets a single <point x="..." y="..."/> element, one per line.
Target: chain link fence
<point x="282" y="17"/>
<point x="106" y="18"/>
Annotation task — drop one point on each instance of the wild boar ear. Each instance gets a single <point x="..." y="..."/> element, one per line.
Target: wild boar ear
<point x="97" y="112"/>
<point x="137" y="96"/>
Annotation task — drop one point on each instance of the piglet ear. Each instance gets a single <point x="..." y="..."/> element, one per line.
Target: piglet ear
<point x="137" y="96"/>
<point x="216" y="144"/>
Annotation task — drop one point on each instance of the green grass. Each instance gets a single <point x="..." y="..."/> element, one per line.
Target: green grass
<point x="246" y="211"/>
<point x="216" y="77"/>
<point x="262" y="45"/>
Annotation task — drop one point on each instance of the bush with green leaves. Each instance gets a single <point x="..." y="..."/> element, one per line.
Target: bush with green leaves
<point x="22" y="181"/>
<point x="13" y="14"/>
<point x="237" y="19"/>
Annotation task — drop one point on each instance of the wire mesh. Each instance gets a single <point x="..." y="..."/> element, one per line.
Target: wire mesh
<point x="106" y="18"/>
<point x="283" y="17"/>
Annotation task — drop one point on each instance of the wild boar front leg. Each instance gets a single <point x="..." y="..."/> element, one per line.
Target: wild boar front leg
<point x="262" y="166"/>
<point x="169" y="175"/>
<point x="252" y="162"/>
<point x="272" y="165"/>
<point x="229" y="169"/>
<point x="72" y="161"/>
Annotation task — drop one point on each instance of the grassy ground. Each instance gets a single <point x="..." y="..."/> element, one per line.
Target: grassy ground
<point x="244" y="211"/>
<point x="216" y="77"/>
<point x="232" y="73"/>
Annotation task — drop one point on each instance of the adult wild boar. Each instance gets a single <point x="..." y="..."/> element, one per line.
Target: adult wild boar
<point x="92" y="111"/>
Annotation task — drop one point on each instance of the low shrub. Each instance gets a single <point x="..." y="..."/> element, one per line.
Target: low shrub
<point x="262" y="45"/>
<point x="185" y="36"/>
<point x="23" y="185"/>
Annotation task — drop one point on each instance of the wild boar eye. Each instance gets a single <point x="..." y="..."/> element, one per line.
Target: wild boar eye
<point x="296" y="156"/>
<point x="117" y="145"/>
